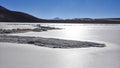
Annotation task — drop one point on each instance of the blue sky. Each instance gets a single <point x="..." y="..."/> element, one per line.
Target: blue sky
<point x="66" y="8"/>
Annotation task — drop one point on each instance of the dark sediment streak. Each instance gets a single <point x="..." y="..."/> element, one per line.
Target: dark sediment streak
<point x="49" y="42"/>
<point x="40" y="29"/>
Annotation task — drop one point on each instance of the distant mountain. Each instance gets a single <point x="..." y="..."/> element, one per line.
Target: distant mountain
<point x="88" y="20"/>
<point x="14" y="16"/>
<point x="57" y="18"/>
<point x="7" y="15"/>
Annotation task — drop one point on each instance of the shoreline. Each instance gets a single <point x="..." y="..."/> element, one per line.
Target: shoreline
<point x="55" y="23"/>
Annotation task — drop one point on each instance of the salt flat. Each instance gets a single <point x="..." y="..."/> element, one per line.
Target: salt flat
<point x="13" y="55"/>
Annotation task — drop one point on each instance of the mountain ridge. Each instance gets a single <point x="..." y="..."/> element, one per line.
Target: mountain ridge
<point x="7" y="15"/>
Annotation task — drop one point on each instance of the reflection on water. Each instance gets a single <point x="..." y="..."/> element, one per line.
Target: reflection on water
<point x="26" y="56"/>
<point x="99" y="32"/>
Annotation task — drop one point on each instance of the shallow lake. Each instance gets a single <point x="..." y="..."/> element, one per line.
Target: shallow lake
<point x="14" y="55"/>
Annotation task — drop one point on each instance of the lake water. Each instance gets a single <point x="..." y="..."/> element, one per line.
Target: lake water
<point x="14" y="55"/>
